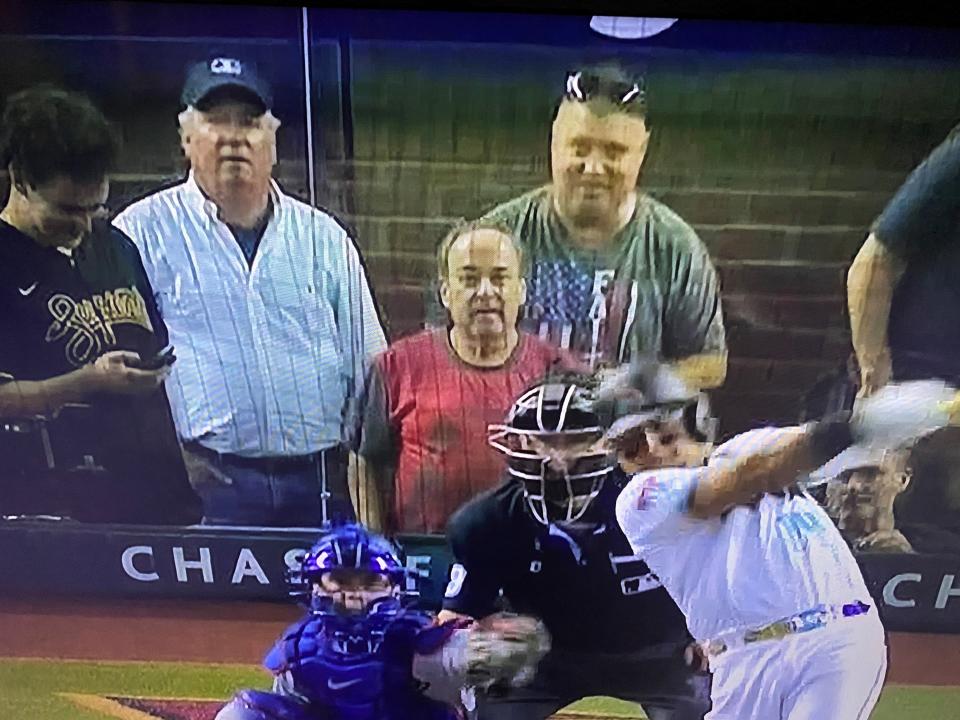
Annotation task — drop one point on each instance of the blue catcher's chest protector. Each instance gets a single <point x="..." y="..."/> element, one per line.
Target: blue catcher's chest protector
<point x="360" y="668"/>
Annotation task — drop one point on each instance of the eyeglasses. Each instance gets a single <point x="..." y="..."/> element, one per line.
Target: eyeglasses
<point x="582" y="87"/>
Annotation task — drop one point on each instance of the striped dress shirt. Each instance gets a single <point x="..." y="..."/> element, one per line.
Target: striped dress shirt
<point x="271" y="358"/>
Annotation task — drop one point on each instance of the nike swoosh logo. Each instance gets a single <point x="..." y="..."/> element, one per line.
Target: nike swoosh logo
<point x="341" y="685"/>
<point x="28" y="290"/>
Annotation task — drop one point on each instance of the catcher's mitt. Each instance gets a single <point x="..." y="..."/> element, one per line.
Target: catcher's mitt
<point x="505" y="649"/>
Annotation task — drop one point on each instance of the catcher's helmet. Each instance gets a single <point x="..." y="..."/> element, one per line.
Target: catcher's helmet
<point x="351" y="555"/>
<point x="549" y="439"/>
<point x="651" y="391"/>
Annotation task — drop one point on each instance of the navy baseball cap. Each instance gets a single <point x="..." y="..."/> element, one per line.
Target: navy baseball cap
<point x="225" y="72"/>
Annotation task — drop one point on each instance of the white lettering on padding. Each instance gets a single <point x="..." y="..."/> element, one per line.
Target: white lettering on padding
<point x="418" y="565"/>
<point x="890" y="589"/>
<point x="130" y="569"/>
<point x="203" y="565"/>
<point x="947" y="590"/>
<point x="247" y="566"/>
<point x="293" y="559"/>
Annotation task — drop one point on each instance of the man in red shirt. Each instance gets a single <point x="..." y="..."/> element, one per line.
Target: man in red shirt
<point x="431" y="395"/>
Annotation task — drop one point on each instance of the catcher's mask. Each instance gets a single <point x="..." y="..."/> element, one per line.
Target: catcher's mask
<point x="351" y="572"/>
<point x="550" y="438"/>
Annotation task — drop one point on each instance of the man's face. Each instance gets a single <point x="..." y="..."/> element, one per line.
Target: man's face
<point x="572" y="462"/>
<point x="863" y="503"/>
<point x="670" y="445"/>
<point x="567" y="453"/>
<point x="60" y="212"/>
<point x="483" y="290"/>
<point x="232" y="145"/>
<point x="354" y="590"/>
<point x="596" y="162"/>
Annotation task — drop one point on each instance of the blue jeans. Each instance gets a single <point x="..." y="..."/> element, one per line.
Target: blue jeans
<point x="272" y="492"/>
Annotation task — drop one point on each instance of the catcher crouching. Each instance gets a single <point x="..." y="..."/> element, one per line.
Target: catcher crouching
<point x="360" y="654"/>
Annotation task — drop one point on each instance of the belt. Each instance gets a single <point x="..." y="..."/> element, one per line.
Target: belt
<point x="276" y="463"/>
<point x="805" y="621"/>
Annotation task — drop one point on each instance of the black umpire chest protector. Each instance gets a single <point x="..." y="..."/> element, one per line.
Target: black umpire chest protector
<point x="584" y="580"/>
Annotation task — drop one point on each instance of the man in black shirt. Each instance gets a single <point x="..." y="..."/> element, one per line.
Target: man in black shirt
<point x="78" y="325"/>
<point x="548" y="539"/>
<point x="904" y="299"/>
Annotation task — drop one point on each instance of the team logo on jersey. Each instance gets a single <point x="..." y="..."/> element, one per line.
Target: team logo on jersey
<point x="798" y="527"/>
<point x="650" y="490"/>
<point x="88" y="324"/>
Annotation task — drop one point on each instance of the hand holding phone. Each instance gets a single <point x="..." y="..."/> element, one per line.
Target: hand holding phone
<point x="162" y="359"/>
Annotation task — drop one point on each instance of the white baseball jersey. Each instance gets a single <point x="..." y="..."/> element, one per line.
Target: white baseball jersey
<point x="748" y="568"/>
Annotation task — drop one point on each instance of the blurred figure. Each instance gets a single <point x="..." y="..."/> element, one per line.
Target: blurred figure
<point x="614" y="272"/>
<point x="904" y="299"/>
<point x="79" y="332"/>
<point x="432" y="395"/>
<point x="267" y="302"/>
<point x="860" y="497"/>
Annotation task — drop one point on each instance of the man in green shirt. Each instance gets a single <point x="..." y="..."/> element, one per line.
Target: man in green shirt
<point x="614" y="273"/>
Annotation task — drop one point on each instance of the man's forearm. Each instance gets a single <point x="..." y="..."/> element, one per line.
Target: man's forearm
<point x="703" y="371"/>
<point x="870" y="284"/>
<point x="369" y="484"/>
<point x="796" y="454"/>
<point x="29" y="398"/>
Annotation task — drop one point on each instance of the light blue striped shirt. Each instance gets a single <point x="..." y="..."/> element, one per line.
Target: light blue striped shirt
<point x="270" y="358"/>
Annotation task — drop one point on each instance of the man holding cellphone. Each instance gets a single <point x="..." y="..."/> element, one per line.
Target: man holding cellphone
<point x="80" y="336"/>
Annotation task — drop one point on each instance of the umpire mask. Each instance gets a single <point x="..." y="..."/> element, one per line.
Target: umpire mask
<point x="550" y="438"/>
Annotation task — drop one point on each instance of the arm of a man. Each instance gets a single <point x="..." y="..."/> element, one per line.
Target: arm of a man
<point x="376" y="456"/>
<point x="769" y="464"/>
<point x="361" y="335"/>
<point x="458" y="653"/>
<point x="30" y="398"/>
<point x="870" y="283"/>
<point x="475" y="581"/>
<point x="694" y="338"/>
<point x="114" y="372"/>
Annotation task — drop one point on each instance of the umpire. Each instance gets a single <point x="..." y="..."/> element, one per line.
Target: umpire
<point x="548" y="540"/>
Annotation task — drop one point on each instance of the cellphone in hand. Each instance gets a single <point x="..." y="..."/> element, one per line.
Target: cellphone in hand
<point x="162" y="359"/>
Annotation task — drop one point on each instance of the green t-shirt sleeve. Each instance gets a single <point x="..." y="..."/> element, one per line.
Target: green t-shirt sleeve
<point x="693" y="314"/>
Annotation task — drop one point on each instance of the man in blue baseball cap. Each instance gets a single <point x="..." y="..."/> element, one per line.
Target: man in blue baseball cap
<point x="224" y="76"/>
<point x="268" y="306"/>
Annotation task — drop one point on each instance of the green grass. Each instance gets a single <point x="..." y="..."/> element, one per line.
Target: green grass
<point x="28" y="689"/>
<point x="898" y="702"/>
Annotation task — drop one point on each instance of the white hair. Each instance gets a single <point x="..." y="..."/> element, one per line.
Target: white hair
<point x="190" y="117"/>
